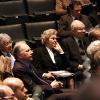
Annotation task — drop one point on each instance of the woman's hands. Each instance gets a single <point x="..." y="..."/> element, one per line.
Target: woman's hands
<point x="58" y="48"/>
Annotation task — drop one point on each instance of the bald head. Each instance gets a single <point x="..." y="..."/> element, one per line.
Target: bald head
<point x="13" y="82"/>
<point x="6" y="93"/>
<point x="18" y="87"/>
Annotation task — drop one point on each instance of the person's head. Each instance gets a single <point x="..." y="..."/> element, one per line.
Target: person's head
<point x="78" y="29"/>
<point x="91" y="89"/>
<point x="94" y="34"/>
<point x="93" y="47"/>
<point x="96" y="58"/>
<point x="75" y="8"/>
<point x="22" y="51"/>
<point x="6" y="93"/>
<point x="17" y="86"/>
<point x="5" y="42"/>
<point x="49" y="38"/>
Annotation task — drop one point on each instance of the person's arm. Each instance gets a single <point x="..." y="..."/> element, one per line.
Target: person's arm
<point x="28" y="82"/>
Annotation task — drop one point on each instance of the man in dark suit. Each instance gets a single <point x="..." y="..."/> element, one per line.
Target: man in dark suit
<point x="24" y="70"/>
<point x="75" y="48"/>
<point x="74" y="13"/>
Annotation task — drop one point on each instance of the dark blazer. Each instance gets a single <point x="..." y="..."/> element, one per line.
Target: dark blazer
<point x="72" y="51"/>
<point x="43" y="62"/>
<point x="65" y="23"/>
<point x="29" y="75"/>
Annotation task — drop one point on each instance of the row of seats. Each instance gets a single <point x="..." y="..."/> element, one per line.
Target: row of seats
<point x="22" y="11"/>
<point x="27" y="31"/>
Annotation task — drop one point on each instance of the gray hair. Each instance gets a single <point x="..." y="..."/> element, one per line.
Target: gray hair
<point x="46" y="34"/>
<point x="4" y="38"/>
<point x="93" y="47"/>
<point x="76" y="24"/>
<point x="93" y="34"/>
<point x="17" y="46"/>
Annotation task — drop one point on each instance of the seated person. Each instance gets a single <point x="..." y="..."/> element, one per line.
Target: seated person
<point x="25" y="70"/>
<point x="75" y="50"/>
<point x="6" y="47"/>
<point x="93" y="52"/>
<point x="18" y="87"/>
<point x="74" y="14"/>
<point x="50" y="56"/>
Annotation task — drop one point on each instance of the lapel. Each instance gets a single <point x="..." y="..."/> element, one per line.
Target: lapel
<point x="75" y="45"/>
<point x="74" y="48"/>
<point x="46" y="55"/>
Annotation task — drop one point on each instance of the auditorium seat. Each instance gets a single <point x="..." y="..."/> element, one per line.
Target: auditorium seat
<point x="13" y="11"/>
<point x="15" y="31"/>
<point x="42" y="9"/>
<point x="34" y="30"/>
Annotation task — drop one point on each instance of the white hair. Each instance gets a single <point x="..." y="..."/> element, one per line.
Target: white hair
<point x="46" y="34"/>
<point x="77" y="24"/>
<point x="93" y="47"/>
<point x="4" y="38"/>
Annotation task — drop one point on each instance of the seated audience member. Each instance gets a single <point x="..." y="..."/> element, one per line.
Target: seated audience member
<point x="90" y="90"/>
<point x="75" y="49"/>
<point x="18" y="87"/>
<point x="6" y="93"/>
<point x="6" y="47"/>
<point x="24" y="70"/>
<point x="61" y="6"/>
<point x="93" y="52"/>
<point x="94" y="34"/>
<point x="50" y="56"/>
<point x="6" y="58"/>
<point x="74" y="14"/>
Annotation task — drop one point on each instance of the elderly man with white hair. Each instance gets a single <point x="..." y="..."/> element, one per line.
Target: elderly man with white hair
<point x="75" y="48"/>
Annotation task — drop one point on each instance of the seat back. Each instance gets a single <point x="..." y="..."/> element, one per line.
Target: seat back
<point x="12" y="8"/>
<point x="40" y="6"/>
<point x="15" y="31"/>
<point x="34" y="30"/>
